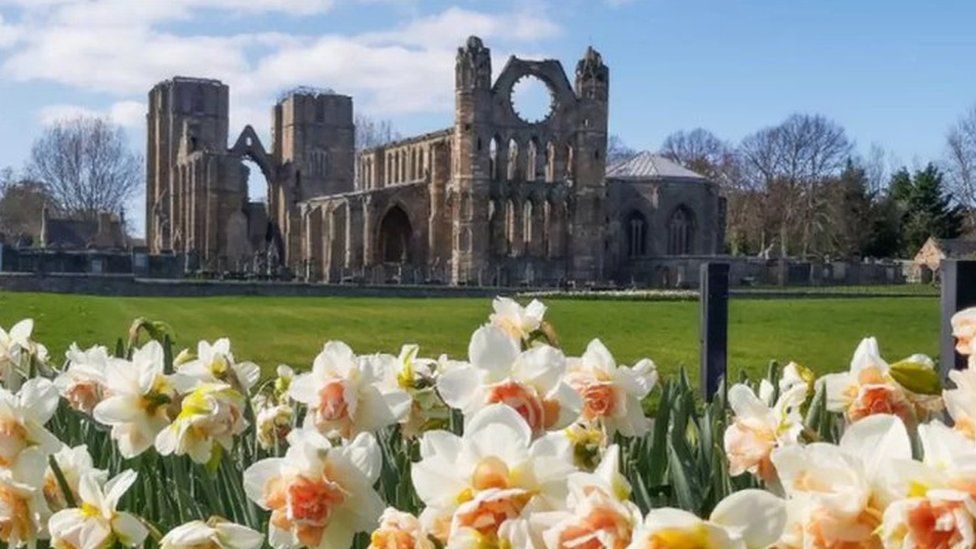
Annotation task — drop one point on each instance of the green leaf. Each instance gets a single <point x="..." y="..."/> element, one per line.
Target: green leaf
<point x="917" y="377"/>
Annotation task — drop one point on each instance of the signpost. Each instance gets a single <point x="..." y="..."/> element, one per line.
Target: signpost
<point x="714" y="299"/>
<point x="958" y="279"/>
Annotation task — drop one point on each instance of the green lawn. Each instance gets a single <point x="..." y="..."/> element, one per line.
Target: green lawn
<point x="819" y="333"/>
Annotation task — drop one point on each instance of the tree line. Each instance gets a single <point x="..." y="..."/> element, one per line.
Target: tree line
<point x="799" y="188"/>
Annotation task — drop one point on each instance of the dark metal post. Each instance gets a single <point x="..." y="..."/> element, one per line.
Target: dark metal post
<point x="958" y="279"/>
<point x="714" y="291"/>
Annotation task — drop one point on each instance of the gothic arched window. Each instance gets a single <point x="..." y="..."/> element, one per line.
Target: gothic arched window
<point x="681" y="232"/>
<point x="636" y="227"/>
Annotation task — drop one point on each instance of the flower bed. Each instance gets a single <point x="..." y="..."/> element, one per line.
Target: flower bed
<point x="516" y="446"/>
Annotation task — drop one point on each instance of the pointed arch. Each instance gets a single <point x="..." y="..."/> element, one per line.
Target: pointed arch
<point x="635" y="229"/>
<point x="513" y="160"/>
<point x="681" y="231"/>
<point x="395" y="235"/>
<point x="532" y="166"/>
<point x="494" y="152"/>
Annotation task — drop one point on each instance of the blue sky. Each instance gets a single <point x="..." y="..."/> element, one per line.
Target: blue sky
<point x="893" y="73"/>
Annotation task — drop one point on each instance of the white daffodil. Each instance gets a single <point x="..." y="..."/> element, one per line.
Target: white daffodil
<point x="490" y="474"/>
<point x="518" y="322"/>
<point x="22" y="419"/>
<point x="211" y="415"/>
<point x="756" y="428"/>
<point x="97" y="523"/>
<point x="213" y="534"/>
<point x="215" y="363"/>
<point x="964" y="330"/>
<point x="942" y="518"/>
<point x="531" y="382"/>
<point x="17" y="350"/>
<point x="139" y="395"/>
<point x="839" y="492"/>
<point x="598" y="509"/>
<point x="748" y="519"/>
<point x="399" y="530"/>
<point x="273" y="421"/>
<point x="612" y="394"/>
<point x="960" y="402"/>
<point x="319" y="495"/>
<point x="867" y="388"/>
<point x="73" y="463"/>
<point x="82" y="383"/>
<point x="347" y="395"/>
<point x="23" y="511"/>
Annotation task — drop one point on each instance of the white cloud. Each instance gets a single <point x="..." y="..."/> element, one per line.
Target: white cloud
<point x="120" y="48"/>
<point x="9" y="34"/>
<point x="128" y="114"/>
<point x="52" y="114"/>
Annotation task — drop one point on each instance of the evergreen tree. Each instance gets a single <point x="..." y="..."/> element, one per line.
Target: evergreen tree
<point x="927" y="209"/>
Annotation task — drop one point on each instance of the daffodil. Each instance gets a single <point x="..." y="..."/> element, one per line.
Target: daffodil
<point x="612" y="394"/>
<point x="520" y="323"/>
<point x="23" y="510"/>
<point x="273" y="422"/>
<point x="399" y="530"/>
<point x="82" y="384"/>
<point x="942" y="518"/>
<point x="867" y="388"/>
<point x="599" y="512"/>
<point x="215" y="363"/>
<point x="139" y="396"/>
<point x="757" y="428"/>
<point x="213" y="534"/>
<point x="97" y="523"/>
<point x="347" y="395"/>
<point x="748" y="519"/>
<point x="839" y="492"/>
<point x="17" y="351"/>
<point x="531" y="382"/>
<point x="22" y="419"/>
<point x="73" y="464"/>
<point x="211" y="415"/>
<point x="490" y="474"/>
<point x="964" y="330"/>
<point x="319" y="495"/>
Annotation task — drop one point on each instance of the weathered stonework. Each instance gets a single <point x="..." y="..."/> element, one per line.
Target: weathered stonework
<point x="493" y="200"/>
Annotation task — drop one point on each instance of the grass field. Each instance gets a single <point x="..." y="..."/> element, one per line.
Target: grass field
<point x="819" y="333"/>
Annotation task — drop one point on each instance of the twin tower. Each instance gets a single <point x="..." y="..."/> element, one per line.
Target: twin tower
<point x="485" y="201"/>
<point x="197" y="200"/>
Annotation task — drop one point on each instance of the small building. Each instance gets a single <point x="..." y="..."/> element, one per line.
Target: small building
<point x="925" y="265"/>
<point x="105" y="232"/>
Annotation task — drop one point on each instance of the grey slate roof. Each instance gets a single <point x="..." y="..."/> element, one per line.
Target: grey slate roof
<point x="647" y="165"/>
<point x="957" y="247"/>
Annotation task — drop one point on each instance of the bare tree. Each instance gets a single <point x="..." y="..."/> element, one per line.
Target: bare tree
<point x="961" y="163"/>
<point x="86" y="166"/>
<point x="373" y="133"/>
<point x="618" y="151"/>
<point x="701" y="151"/>
<point x="791" y="162"/>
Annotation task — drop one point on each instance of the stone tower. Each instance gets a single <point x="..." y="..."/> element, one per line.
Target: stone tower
<point x="588" y="213"/>
<point x="470" y="181"/>
<point x="313" y="141"/>
<point x="184" y="113"/>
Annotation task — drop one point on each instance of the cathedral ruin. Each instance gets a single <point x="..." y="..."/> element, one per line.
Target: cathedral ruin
<point x="493" y="200"/>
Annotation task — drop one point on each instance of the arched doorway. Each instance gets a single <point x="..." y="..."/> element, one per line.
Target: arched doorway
<point x="394" y="237"/>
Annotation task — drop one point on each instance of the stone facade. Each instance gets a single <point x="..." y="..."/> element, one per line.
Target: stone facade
<point x="493" y="200"/>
